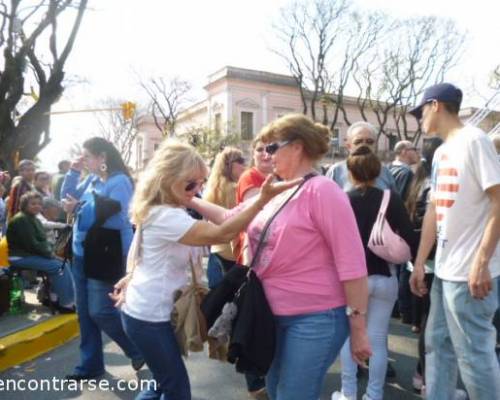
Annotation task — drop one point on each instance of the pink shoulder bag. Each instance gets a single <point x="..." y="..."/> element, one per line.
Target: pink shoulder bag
<point x="384" y="242"/>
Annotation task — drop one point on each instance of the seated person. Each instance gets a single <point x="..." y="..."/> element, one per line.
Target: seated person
<point x="29" y="249"/>
<point x="51" y="210"/>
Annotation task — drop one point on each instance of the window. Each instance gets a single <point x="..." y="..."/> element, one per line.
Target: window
<point x="217" y="123"/>
<point x="246" y="125"/>
<point x="393" y="139"/>
<point x="336" y="140"/>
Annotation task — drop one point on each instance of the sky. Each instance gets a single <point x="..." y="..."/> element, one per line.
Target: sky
<point x="121" y="40"/>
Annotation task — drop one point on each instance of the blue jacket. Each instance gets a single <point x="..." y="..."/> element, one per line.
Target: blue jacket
<point x="117" y="187"/>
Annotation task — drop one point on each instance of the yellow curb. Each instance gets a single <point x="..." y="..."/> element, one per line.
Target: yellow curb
<point x="29" y="343"/>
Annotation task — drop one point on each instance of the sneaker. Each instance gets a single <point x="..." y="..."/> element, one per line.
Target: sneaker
<point x="260" y="394"/>
<point x="417" y="382"/>
<point x="342" y="396"/>
<point x="460" y="395"/>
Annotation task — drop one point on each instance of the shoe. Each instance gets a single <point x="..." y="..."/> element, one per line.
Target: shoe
<point x="417" y="382"/>
<point x="65" y="310"/>
<point x="415" y="329"/>
<point x="81" y="377"/>
<point x="391" y="372"/>
<point x="138" y="363"/>
<point x="460" y="395"/>
<point x="260" y="394"/>
<point x="342" y="396"/>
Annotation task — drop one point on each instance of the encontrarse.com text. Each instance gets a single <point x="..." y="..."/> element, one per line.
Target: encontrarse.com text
<point x="60" y="385"/>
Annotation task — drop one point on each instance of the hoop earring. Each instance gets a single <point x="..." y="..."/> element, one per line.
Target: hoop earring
<point x="103" y="167"/>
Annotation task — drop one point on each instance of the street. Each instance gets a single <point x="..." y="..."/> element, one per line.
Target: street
<point x="210" y="380"/>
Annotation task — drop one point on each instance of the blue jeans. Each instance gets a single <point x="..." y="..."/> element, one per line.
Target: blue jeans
<point x="158" y="344"/>
<point x="96" y="313"/>
<point x="460" y="330"/>
<point x="306" y="347"/>
<point x="215" y="272"/>
<point x="61" y="281"/>
<point x="383" y="292"/>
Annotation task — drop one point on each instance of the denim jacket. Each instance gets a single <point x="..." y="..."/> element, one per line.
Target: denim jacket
<point x="117" y="187"/>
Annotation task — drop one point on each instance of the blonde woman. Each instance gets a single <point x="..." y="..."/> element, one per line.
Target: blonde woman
<point x="221" y="190"/>
<point x="160" y="252"/>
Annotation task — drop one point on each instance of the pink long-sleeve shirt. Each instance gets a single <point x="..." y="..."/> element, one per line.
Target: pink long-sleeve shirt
<point x="311" y="247"/>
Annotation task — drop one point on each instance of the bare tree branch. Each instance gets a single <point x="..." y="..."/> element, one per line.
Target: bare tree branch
<point x="167" y="97"/>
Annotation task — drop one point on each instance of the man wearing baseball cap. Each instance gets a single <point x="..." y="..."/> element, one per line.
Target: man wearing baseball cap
<point x="464" y="217"/>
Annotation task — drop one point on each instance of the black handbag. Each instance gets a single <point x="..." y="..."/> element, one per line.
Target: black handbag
<point x="103" y="257"/>
<point x="253" y="333"/>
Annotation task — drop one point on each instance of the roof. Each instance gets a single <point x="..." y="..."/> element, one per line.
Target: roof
<point x="251" y="75"/>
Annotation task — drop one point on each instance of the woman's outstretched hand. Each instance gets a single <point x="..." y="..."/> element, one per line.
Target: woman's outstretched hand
<point x="269" y="189"/>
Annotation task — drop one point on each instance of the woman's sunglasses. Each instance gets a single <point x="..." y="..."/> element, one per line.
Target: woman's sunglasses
<point x="274" y="147"/>
<point x="194" y="185"/>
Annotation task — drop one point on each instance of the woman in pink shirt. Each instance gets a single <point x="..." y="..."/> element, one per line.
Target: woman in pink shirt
<point x="312" y="266"/>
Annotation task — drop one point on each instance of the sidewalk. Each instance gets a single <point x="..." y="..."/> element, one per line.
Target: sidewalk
<point x="26" y="336"/>
<point x="210" y="379"/>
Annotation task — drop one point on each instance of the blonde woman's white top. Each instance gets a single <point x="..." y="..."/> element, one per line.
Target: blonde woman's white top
<point x="162" y="267"/>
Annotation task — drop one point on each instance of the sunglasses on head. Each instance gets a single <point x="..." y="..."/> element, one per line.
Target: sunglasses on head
<point x="367" y="141"/>
<point x="194" y="185"/>
<point x="274" y="147"/>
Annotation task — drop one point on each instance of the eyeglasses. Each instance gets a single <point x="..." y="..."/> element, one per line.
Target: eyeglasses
<point x="274" y="147"/>
<point x="367" y="141"/>
<point x="194" y="185"/>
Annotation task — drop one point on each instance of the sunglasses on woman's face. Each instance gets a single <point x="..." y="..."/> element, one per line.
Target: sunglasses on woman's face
<point x="274" y="147"/>
<point x="194" y="185"/>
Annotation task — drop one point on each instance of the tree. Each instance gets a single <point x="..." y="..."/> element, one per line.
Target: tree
<point x="34" y="54"/>
<point x="167" y="97"/>
<point x="416" y="53"/>
<point x="209" y="142"/>
<point x="117" y="128"/>
<point x="308" y="32"/>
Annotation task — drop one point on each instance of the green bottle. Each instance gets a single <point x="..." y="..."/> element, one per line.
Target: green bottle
<point x="16" y="296"/>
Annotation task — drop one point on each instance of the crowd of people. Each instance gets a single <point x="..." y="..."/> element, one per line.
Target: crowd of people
<point x="315" y="242"/>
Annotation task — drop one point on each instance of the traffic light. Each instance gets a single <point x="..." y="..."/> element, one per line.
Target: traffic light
<point x="128" y="110"/>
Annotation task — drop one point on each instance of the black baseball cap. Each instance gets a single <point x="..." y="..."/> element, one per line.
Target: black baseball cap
<point x="444" y="92"/>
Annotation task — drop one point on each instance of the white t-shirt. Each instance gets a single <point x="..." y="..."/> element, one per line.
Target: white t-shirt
<point x="463" y="168"/>
<point x="163" y="266"/>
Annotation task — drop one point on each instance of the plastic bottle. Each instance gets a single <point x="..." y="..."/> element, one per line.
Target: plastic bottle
<point x="16" y="296"/>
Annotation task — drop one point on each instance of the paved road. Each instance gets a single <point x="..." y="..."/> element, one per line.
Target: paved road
<point x="210" y="380"/>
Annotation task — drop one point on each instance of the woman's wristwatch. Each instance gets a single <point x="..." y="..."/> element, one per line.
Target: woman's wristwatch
<point x="354" y="312"/>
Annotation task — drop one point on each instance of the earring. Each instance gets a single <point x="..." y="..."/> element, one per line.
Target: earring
<point x="103" y="167"/>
